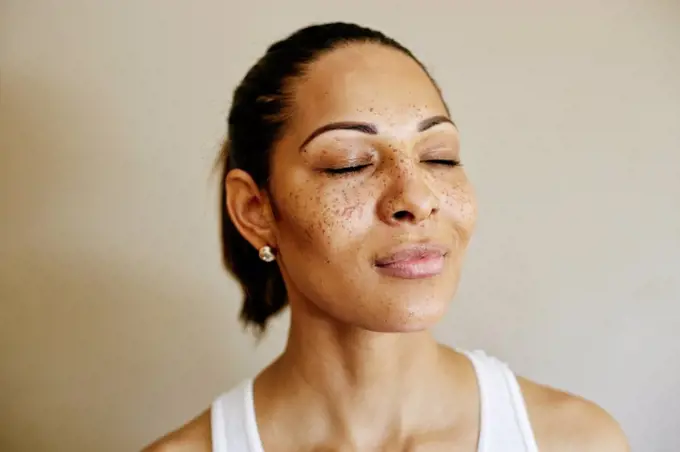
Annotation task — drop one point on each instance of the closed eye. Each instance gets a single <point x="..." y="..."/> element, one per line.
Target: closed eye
<point x="345" y="170"/>
<point x="444" y="162"/>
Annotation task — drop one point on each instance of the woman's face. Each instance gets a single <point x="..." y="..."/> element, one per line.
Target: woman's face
<point x="373" y="215"/>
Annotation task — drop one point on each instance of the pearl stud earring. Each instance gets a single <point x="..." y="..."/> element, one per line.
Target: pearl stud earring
<point x="266" y="254"/>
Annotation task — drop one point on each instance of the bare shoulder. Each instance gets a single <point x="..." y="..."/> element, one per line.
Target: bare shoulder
<point x="194" y="436"/>
<point x="564" y="422"/>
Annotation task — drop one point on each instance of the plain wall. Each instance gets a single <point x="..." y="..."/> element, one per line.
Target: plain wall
<point x="117" y="322"/>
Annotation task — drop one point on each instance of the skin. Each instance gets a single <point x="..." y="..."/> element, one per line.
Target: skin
<point x="360" y="370"/>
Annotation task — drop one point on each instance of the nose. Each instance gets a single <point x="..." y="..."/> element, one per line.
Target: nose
<point x="408" y="198"/>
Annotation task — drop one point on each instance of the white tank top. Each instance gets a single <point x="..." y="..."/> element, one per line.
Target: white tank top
<point x="504" y="425"/>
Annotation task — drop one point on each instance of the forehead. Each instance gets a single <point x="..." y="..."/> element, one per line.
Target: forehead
<point x="364" y="82"/>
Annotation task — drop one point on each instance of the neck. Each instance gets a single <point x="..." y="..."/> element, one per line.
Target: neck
<point x="355" y="378"/>
<point x="339" y="359"/>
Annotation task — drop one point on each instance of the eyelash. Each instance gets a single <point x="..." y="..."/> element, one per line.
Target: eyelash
<point x="356" y="169"/>
<point x="445" y="162"/>
<point x="348" y="169"/>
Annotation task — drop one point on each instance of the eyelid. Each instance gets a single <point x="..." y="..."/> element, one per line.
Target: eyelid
<point x="351" y="162"/>
<point x="342" y="156"/>
<point x="440" y="153"/>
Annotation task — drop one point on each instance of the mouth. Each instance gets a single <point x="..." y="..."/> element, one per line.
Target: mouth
<point x="413" y="261"/>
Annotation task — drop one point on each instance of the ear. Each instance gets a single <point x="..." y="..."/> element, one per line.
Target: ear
<point x="249" y="209"/>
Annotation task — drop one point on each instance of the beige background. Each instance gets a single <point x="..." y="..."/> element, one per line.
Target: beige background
<point x="117" y="322"/>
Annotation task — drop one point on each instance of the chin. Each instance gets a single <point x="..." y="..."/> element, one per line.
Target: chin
<point x="402" y="327"/>
<point x="411" y="318"/>
<point x="413" y="327"/>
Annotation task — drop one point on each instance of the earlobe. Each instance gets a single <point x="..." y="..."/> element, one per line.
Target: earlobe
<point x="248" y="208"/>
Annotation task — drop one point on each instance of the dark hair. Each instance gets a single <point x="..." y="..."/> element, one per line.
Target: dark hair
<point x="260" y="109"/>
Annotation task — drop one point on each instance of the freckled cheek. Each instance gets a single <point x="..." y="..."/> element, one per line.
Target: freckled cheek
<point x="324" y="216"/>
<point x="347" y="212"/>
<point x="460" y="204"/>
<point x="301" y="215"/>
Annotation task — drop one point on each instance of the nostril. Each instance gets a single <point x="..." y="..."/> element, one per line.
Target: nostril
<point x="403" y="215"/>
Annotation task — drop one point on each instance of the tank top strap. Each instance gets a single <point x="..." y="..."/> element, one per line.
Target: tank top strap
<point x="233" y="422"/>
<point x="504" y="424"/>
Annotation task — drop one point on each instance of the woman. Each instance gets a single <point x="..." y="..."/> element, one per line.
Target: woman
<point x="345" y="199"/>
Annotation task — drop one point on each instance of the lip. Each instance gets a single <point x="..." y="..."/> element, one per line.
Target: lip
<point x="413" y="261"/>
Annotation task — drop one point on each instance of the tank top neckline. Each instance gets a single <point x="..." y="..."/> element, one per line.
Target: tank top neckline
<point x="494" y="379"/>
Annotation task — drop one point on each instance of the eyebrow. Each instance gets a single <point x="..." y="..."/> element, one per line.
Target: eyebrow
<point x="372" y="129"/>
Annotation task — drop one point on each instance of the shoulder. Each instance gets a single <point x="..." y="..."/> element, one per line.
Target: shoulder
<point x="195" y="436"/>
<point x="564" y="422"/>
